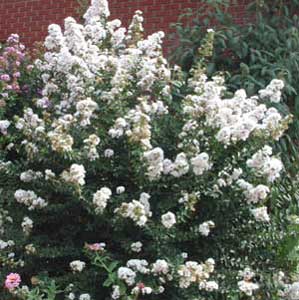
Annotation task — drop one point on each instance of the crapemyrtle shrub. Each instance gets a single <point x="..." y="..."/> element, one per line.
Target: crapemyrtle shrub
<point x="132" y="180"/>
<point x="250" y="54"/>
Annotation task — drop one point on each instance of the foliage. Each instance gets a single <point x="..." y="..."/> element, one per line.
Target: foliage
<point x="126" y="179"/>
<point x="251" y="54"/>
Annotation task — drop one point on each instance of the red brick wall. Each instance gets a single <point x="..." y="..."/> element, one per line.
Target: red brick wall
<point x="30" y="18"/>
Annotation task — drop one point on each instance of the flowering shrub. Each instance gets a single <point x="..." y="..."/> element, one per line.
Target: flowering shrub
<point x="130" y="182"/>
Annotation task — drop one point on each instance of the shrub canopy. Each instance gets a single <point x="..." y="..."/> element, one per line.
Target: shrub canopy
<point x="123" y="178"/>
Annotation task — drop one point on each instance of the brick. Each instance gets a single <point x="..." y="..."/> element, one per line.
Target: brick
<point x="30" y="18"/>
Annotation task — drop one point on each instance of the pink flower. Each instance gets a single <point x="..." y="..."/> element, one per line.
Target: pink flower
<point x="17" y="75"/>
<point x="5" y="77"/>
<point x="96" y="246"/>
<point x="29" y="67"/>
<point x="12" y="281"/>
<point x="13" y="38"/>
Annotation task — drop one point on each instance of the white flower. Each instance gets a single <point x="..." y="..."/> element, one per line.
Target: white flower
<point x="206" y="227"/>
<point x="71" y="296"/>
<point x="134" y="210"/>
<point x="247" y="287"/>
<point x="168" y="219"/>
<point x="193" y="272"/>
<point x="138" y="265"/>
<point x="160" y="267"/>
<point x="211" y="286"/>
<point x="3" y="244"/>
<point x="180" y="166"/>
<point x="272" y="91"/>
<point x="77" y="265"/>
<point x="30" y="175"/>
<point x="99" y="9"/>
<point x="85" y="110"/>
<point x="200" y="163"/>
<point x="161" y="289"/>
<point x="247" y="274"/>
<point x="49" y="174"/>
<point x="115" y="292"/>
<point x="4" y="124"/>
<point x="266" y="165"/>
<point x="108" y="153"/>
<point x="253" y="194"/>
<point x="100" y="199"/>
<point x="127" y="275"/>
<point x="27" y="225"/>
<point x="154" y="159"/>
<point x="293" y="291"/>
<point x="75" y="175"/>
<point x="120" y="190"/>
<point x="260" y="214"/>
<point x="84" y="297"/>
<point x="136" y="247"/>
<point x="30" y="199"/>
<point x="144" y="200"/>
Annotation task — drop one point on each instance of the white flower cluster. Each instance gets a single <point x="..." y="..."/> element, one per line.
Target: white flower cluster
<point x="30" y="175"/>
<point x="30" y="199"/>
<point x="33" y="129"/>
<point x="85" y="109"/>
<point x="160" y="267"/>
<point x="136" y="247"/>
<point x="168" y="219"/>
<point x="115" y="292"/>
<point x="100" y="199"/>
<point x="141" y="289"/>
<point x="266" y="165"/>
<point x="30" y="249"/>
<point x="4" y="244"/>
<point x="154" y="159"/>
<point x="156" y="164"/>
<point x="4" y="124"/>
<point x="98" y="9"/>
<point x="138" y="265"/>
<point x="80" y="60"/>
<point x="76" y="175"/>
<point x="194" y="273"/>
<point x="135" y="211"/>
<point x="177" y="168"/>
<point x="31" y="125"/>
<point x="49" y="174"/>
<point x="253" y="194"/>
<point x="292" y="291"/>
<point x="246" y="285"/>
<point x="91" y="144"/>
<point x="120" y="189"/>
<point x="228" y="178"/>
<point x="261" y="214"/>
<point x="272" y="91"/>
<point x="127" y="275"/>
<point x="27" y="225"/>
<point x="205" y="227"/>
<point x="60" y="140"/>
<point x="201" y="163"/>
<point x="84" y="297"/>
<point x="235" y="119"/>
<point x="77" y="265"/>
<point x="136" y="124"/>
